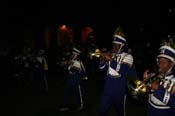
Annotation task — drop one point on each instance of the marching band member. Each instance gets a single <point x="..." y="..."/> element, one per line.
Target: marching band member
<point x="76" y="72"/>
<point x="40" y="71"/>
<point x="119" y="69"/>
<point x="161" y="100"/>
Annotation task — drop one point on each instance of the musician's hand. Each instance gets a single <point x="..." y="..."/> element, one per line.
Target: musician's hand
<point x="108" y="58"/>
<point x="155" y="85"/>
<point x="145" y="74"/>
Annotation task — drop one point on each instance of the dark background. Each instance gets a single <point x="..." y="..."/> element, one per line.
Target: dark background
<point x="141" y="20"/>
<point x="145" y="24"/>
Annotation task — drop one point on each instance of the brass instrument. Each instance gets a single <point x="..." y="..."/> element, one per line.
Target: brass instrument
<point x="99" y="54"/>
<point x="139" y="89"/>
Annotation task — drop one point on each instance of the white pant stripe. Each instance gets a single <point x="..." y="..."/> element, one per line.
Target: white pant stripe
<point x="124" y="105"/>
<point x="81" y="99"/>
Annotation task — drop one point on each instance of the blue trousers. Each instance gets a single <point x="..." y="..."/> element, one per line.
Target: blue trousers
<point x="108" y="100"/>
<point x="73" y="86"/>
<point x="159" y="112"/>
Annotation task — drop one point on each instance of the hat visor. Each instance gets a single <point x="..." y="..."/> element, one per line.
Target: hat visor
<point x="166" y="56"/>
<point x="75" y="53"/>
<point x="116" y="42"/>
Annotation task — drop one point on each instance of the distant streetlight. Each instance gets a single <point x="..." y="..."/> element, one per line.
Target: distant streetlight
<point x="63" y="27"/>
<point x="65" y="36"/>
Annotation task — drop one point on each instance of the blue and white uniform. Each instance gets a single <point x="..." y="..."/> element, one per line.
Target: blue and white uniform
<point x="118" y="71"/>
<point x="162" y="101"/>
<point x="40" y="71"/>
<point x="76" y="72"/>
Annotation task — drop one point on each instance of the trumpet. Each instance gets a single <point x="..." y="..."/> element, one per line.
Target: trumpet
<point x="97" y="53"/>
<point x="139" y="89"/>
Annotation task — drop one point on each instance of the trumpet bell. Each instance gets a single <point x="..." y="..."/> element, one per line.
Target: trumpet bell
<point x="97" y="53"/>
<point x="138" y="90"/>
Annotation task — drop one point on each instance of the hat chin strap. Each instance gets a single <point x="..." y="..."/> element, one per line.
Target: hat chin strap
<point x="119" y="50"/>
<point x="172" y="65"/>
<point x="170" y="69"/>
<point x="74" y="56"/>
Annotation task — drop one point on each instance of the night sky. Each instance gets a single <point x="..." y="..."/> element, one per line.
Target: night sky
<point x="141" y="20"/>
